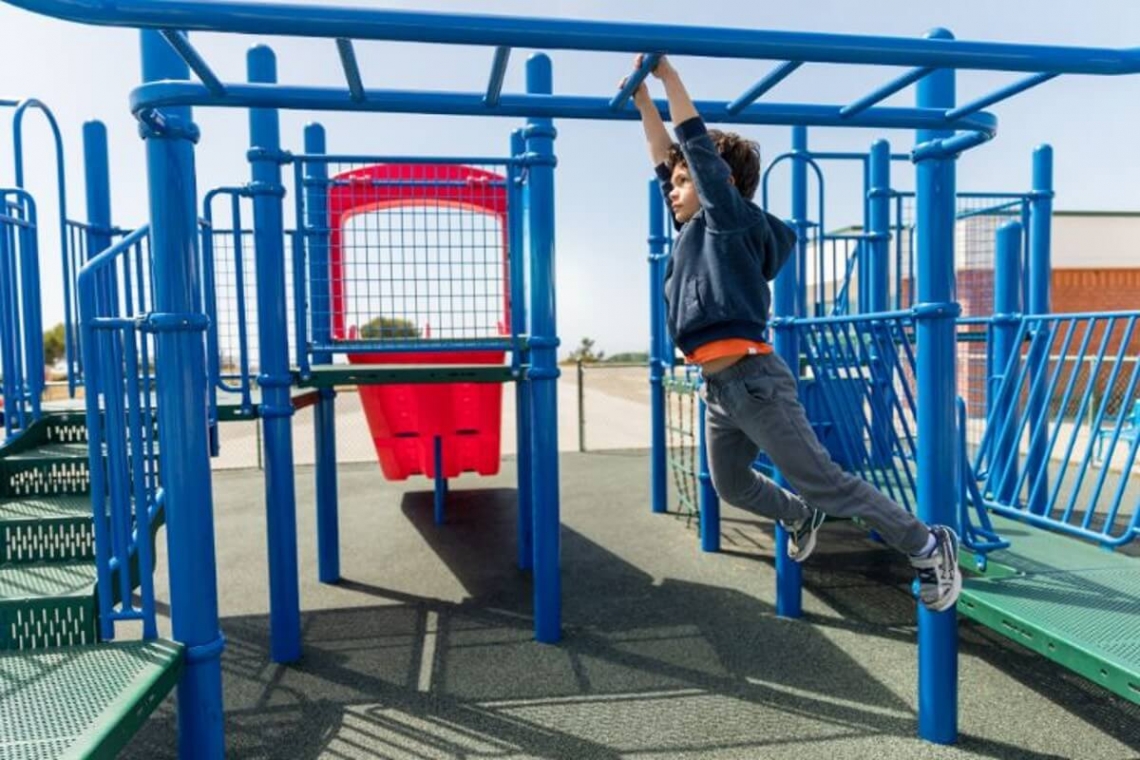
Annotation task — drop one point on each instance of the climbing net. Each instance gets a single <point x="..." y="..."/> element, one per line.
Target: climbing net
<point x="681" y="421"/>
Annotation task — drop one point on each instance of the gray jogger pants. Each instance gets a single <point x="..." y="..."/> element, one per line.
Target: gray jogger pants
<point x="753" y="405"/>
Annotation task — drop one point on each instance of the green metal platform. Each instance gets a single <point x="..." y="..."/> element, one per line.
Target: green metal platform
<point x="229" y="405"/>
<point x="82" y="702"/>
<point x="326" y="376"/>
<point x="1072" y="602"/>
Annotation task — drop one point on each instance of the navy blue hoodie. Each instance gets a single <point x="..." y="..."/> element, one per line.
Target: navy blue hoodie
<point x="716" y="281"/>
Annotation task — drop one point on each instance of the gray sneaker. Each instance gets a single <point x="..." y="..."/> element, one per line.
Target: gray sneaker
<point x="801" y="535"/>
<point x="939" y="579"/>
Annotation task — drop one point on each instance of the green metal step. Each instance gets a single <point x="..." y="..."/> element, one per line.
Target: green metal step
<point x="325" y="376"/>
<point x="46" y="529"/>
<point x="1072" y="602"/>
<point x="82" y="701"/>
<point x="48" y="469"/>
<point x="47" y="605"/>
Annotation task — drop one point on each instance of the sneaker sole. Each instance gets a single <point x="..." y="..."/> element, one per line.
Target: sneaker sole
<point x="805" y="550"/>
<point x="951" y="598"/>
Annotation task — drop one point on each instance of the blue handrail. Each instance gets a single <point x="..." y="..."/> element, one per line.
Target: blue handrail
<point x="21" y="323"/>
<point x="114" y="304"/>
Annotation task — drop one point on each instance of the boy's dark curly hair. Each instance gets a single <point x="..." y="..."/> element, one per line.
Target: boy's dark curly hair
<point x="741" y="154"/>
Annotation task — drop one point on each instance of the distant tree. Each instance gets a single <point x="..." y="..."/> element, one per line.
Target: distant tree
<point x="585" y="352"/>
<point x="54" y="345"/>
<point x="386" y="328"/>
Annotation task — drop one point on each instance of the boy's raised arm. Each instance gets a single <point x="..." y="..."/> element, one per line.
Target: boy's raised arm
<point x="712" y="177"/>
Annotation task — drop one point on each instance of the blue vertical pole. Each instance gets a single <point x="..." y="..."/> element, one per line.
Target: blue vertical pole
<point x="935" y="314"/>
<point x="878" y="277"/>
<point x="863" y="269"/>
<point x="275" y="379"/>
<point x="544" y="372"/>
<point x="789" y="574"/>
<point x="1007" y="304"/>
<point x="658" y="463"/>
<point x="185" y="460"/>
<point x="1040" y="275"/>
<point x="709" y="501"/>
<point x="516" y="245"/>
<point x="440" y="501"/>
<point x="316" y="241"/>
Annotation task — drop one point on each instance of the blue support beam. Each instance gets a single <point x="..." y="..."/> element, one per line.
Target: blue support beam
<point x="754" y="93"/>
<point x="708" y="499"/>
<point x="884" y="92"/>
<point x="544" y="371"/>
<point x="520" y="356"/>
<point x="996" y="97"/>
<point x="498" y="73"/>
<point x="1038" y="302"/>
<point x="286" y="19"/>
<point x="181" y="405"/>
<point x="316" y="242"/>
<point x="550" y="107"/>
<point x="351" y="68"/>
<point x="786" y="302"/>
<point x="187" y="52"/>
<point x="1005" y="359"/>
<point x="935" y="315"/>
<point x="275" y="378"/>
<point x="659" y="360"/>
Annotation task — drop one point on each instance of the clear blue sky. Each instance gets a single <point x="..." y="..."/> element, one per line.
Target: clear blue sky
<point x="86" y="72"/>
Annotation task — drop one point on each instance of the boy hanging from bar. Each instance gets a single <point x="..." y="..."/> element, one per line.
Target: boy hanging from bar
<point x="725" y="253"/>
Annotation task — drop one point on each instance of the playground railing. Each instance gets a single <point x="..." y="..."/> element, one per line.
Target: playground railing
<point x="21" y="328"/>
<point x="1059" y="451"/>
<point x="862" y="372"/>
<point x="115" y="305"/>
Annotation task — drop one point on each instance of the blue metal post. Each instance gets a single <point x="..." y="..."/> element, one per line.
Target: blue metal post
<point x="275" y="379"/>
<point x="440" y="481"/>
<point x="878" y="277"/>
<point x="1040" y="276"/>
<point x="789" y="574"/>
<point x="185" y="460"/>
<point x="97" y="177"/>
<point x="709" y="501"/>
<point x="316" y="241"/>
<point x="658" y="463"/>
<point x="521" y="356"/>
<point x="1007" y="304"/>
<point x="935" y="314"/>
<point x="544" y="372"/>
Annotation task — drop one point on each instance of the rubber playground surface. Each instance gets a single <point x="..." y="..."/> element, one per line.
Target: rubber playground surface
<point x="424" y="649"/>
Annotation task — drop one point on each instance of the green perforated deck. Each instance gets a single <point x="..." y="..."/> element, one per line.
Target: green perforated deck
<point x="47" y="605"/>
<point x="381" y="374"/>
<point x="84" y="701"/>
<point x="1072" y="602"/>
<point x="49" y="469"/>
<point x="46" y="528"/>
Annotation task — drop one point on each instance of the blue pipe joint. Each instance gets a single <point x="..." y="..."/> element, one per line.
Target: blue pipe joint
<point x="174" y="323"/>
<point x="269" y="154"/>
<point x="211" y="650"/>
<point x="154" y="124"/>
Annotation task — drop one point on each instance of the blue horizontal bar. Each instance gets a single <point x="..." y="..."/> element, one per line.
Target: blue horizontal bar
<point x="323" y="158"/>
<point x="840" y="156"/>
<point x="648" y="64"/>
<point x="887" y="90"/>
<point x="1082" y="315"/>
<point x="754" y="93"/>
<point x="1002" y="94"/>
<point x="882" y="316"/>
<point x="15" y="221"/>
<point x="989" y="210"/>
<point x="564" y="34"/>
<point x="165" y="94"/>
<point x="498" y="73"/>
<point x="181" y="44"/>
<point x="396" y="346"/>
<point x="351" y="69"/>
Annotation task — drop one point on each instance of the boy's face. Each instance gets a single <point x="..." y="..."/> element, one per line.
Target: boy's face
<point x="683" y="199"/>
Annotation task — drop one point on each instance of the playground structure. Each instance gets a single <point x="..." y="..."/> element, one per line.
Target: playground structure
<point x="881" y="360"/>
